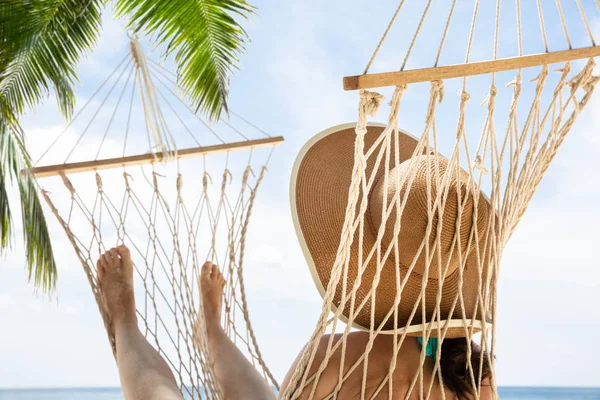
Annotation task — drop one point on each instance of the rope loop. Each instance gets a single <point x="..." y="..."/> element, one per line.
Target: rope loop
<point x="436" y="94"/>
<point x="591" y="84"/>
<point x="565" y="71"/>
<point x="589" y="80"/>
<point x="515" y="82"/>
<point x="437" y="88"/>
<point x="246" y="175"/>
<point x="99" y="181"/>
<point x="581" y="79"/>
<point x="584" y="80"/>
<point x="263" y="171"/>
<point x="541" y="76"/>
<point x="464" y="97"/>
<point x="155" y="181"/>
<point x="179" y="184"/>
<point x="395" y="104"/>
<point x="127" y="177"/>
<point x="490" y="98"/>
<point x="226" y="174"/>
<point x="368" y="106"/>
<point x="205" y="180"/>
<point x="493" y="90"/>
<point x="398" y="92"/>
<point x="68" y="184"/>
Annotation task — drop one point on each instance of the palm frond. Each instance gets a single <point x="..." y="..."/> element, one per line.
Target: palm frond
<point x="205" y="37"/>
<point x="9" y="163"/>
<point x="41" y="42"/>
<point x="40" y="263"/>
<point x="5" y="214"/>
<point x="41" y="266"/>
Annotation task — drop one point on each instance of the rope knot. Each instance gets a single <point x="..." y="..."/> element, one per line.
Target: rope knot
<point x="68" y="184"/>
<point x="398" y="92"/>
<point x="179" y="183"/>
<point x="591" y="83"/>
<point x="247" y="173"/>
<point x="542" y="75"/>
<point x="437" y="88"/>
<point x="46" y="194"/>
<point x="226" y="174"/>
<point x="127" y="177"/>
<point x="489" y="99"/>
<point x="566" y="69"/>
<point x="370" y="102"/>
<point x="515" y="82"/>
<point x="464" y="96"/>
<point x="478" y="164"/>
<point x="205" y="179"/>
<point x="584" y="77"/>
<point x="99" y="181"/>
<point x="155" y="181"/>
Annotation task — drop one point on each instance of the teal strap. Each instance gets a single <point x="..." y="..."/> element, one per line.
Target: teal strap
<point x="431" y="347"/>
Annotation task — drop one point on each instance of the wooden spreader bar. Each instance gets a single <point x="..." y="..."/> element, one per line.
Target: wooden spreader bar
<point x="148" y="158"/>
<point x="369" y="81"/>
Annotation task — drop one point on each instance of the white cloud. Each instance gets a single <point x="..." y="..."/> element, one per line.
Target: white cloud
<point x="7" y="302"/>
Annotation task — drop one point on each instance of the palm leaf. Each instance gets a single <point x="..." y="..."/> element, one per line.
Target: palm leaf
<point x="205" y="37"/>
<point x="41" y="266"/>
<point x="9" y="167"/>
<point x="40" y="263"/>
<point x="41" y="42"/>
<point x="5" y="214"/>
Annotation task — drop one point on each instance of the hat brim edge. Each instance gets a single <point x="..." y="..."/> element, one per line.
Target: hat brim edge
<point x="411" y="330"/>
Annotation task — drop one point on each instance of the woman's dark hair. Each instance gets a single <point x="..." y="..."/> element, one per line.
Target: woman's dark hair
<point x="454" y="367"/>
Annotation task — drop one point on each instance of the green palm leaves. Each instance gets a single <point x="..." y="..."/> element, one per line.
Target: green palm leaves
<point x="41" y="42"/>
<point x="205" y="38"/>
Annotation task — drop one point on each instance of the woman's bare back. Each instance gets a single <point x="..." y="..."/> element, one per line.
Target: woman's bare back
<point x="378" y="367"/>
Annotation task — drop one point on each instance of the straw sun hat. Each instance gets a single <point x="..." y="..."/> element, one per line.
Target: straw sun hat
<point x="319" y="194"/>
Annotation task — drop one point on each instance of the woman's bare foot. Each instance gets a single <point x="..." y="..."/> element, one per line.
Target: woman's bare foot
<point x="115" y="279"/>
<point x="211" y="286"/>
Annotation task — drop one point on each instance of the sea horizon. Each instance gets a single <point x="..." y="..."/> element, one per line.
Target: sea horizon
<point x="114" y="393"/>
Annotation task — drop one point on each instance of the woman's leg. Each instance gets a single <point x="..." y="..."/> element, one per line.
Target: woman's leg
<point x="237" y="378"/>
<point x="144" y="373"/>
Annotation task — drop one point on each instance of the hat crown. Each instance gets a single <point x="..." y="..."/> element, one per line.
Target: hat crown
<point x="323" y="174"/>
<point x="419" y="203"/>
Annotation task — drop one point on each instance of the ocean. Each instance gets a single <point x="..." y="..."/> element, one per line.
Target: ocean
<point x="506" y="393"/>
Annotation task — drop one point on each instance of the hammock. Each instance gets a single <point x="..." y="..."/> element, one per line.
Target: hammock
<point x="173" y="215"/>
<point x="505" y="158"/>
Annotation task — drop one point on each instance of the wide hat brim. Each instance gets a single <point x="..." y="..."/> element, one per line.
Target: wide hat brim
<point x="319" y="187"/>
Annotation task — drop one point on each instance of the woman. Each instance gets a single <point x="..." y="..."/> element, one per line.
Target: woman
<point x="145" y="375"/>
<point x="329" y="158"/>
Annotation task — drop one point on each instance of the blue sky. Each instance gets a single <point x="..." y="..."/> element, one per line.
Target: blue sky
<point x="290" y="84"/>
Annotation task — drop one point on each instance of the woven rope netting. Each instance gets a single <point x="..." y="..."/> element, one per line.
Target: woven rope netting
<point x="503" y="129"/>
<point x="172" y="215"/>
